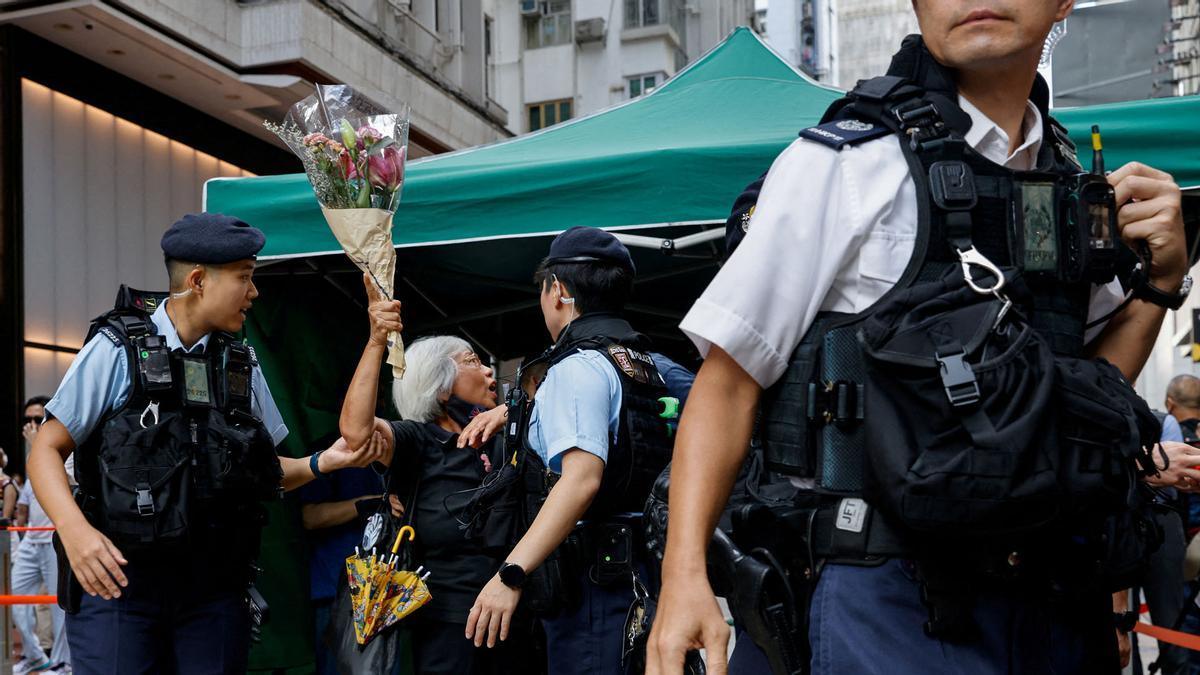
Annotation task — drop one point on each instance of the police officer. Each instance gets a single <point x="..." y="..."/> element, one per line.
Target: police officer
<point x="600" y="381"/>
<point x="833" y="230"/>
<point x="163" y="555"/>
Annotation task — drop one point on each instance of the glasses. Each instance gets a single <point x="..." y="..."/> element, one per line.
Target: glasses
<point x="29" y="419"/>
<point x="471" y="360"/>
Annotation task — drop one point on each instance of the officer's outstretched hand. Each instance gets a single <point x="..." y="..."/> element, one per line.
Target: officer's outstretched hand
<point x="341" y="456"/>
<point x="95" y="560"/>
<point x="384" y="313"/>
<point x="482" y="427"/>
<point x="1180" y="471"/>
<point x="687" y="618"/>
<point x="1151" y="211"/>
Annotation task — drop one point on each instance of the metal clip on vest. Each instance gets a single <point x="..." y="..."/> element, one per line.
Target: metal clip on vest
<point x="920" y="121"/>
<point x="972" y="257"/>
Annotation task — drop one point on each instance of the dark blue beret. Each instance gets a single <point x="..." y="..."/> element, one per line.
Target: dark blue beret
<point x="588" y="244"/>
<point x="212" y="239"/>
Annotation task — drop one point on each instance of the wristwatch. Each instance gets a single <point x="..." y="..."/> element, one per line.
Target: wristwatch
<point x="1125" y="621"/>
<point x="512" y="575"/>
<point x="1150" y="293"/>
<point x="313" y="463"/>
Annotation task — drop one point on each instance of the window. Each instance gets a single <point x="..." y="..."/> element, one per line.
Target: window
<point x="552" y="27"/>
<point x="643" y="84"/>
<point x="640" y="13"/>
<point x="542" y="115"/>
<point x="488" y="59"/>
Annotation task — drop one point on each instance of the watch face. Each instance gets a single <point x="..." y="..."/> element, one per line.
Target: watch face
<point x="512" y="575"/>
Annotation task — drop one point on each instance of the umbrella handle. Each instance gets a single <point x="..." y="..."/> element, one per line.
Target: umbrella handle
<point x="407" y="529"/>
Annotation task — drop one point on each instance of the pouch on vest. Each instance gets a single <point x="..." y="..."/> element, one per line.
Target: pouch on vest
<point x="980" y="462"/>
<point x="1103" y="426"/>
<point x="237" y="459"/>
<point x="145" y="477"/>
<point x="555" y="584"/>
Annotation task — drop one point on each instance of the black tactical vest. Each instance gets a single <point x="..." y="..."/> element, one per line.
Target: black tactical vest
<point x="642" y="447"/>
<point x="184" y="460"/>
<point x="811" y="418"/>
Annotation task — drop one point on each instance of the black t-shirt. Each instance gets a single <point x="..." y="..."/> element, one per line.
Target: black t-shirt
<point x="428" y="453"/>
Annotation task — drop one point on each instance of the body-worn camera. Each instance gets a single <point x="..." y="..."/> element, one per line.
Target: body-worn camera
<point x="153" y="363"/>
<point x="237" y="370"/>
<point x="1068" y="227"/>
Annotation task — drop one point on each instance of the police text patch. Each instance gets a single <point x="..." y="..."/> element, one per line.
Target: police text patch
<point x="840" y="133"/>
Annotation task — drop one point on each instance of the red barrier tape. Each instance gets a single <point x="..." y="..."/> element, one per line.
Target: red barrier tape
<point x="29" y="529"/>
<point x="1173" y="637"/>
<point x="28" y="600"/>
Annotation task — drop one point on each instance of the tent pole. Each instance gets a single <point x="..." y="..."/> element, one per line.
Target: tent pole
<point x="669" y="246"/>
<point x="483" y="314"/>
<point x="332" y="282"/>
<point x="491" y="353"/>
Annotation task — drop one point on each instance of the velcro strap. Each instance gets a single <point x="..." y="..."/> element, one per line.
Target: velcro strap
<point x="878" y="89"/>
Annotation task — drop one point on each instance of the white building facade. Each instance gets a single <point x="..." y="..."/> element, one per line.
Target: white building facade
<point x="559" y="59"/>
<point x="839" y="41"/>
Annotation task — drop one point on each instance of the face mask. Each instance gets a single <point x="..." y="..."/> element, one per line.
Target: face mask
<point x="459" y="410"/>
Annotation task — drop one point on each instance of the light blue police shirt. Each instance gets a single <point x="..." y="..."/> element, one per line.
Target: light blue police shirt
<point x="577" y="406"/>
<point x="98" y="383"/>
<point x="1171" y="430"/>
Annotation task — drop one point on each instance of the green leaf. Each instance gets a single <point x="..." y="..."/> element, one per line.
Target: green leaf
<point x="379" y="146"/>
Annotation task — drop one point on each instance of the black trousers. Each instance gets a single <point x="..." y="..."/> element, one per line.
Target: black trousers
<point x="441" y="648"/>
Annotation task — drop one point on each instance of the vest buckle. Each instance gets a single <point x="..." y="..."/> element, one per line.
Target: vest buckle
<point x="145" y="501"/>
<point x="839" y="402"/>
<point x="958" y="379"/>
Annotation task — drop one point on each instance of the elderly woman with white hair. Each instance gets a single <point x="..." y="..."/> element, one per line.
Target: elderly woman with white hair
<point x="444" y="383"/>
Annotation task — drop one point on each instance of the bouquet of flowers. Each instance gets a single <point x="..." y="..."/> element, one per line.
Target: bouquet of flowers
<point x="353" y="153"/>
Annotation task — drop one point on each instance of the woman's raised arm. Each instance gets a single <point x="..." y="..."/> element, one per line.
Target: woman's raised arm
<point x="358" y="409"/>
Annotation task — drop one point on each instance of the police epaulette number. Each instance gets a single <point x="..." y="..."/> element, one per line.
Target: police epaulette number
<point x="111" y="335"/>
<point x="840" y="133"/>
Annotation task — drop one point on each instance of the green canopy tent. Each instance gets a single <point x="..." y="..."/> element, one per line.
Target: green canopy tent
<point x="473" y="224"/>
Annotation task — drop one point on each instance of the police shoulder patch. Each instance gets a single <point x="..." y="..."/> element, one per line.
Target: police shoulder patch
<point x="840" y="133"/>
<point x="634" y="364"/>
<point x="111" y="335"/>
<point x="253" y="354"/>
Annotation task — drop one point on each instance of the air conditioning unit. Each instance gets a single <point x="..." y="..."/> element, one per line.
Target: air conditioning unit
<point x="531" y="8"/>
<point x="589" y="30"/>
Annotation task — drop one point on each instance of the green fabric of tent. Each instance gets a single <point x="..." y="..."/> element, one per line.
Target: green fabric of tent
<point x="1160" y="132"/>
<point x="679" y="154"/>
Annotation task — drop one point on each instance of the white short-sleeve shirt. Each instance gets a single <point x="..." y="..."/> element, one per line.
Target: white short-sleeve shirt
<point x="832" y="231"/>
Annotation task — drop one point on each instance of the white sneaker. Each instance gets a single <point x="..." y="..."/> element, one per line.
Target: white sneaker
<point x="60" y="669"/>
<point x="30" y="666"/>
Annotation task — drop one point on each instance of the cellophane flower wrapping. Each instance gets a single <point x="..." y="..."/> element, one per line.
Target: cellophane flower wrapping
<point x="354" y="153"/>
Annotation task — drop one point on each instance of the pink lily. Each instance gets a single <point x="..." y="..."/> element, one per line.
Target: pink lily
<point x="386" y="169"/>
